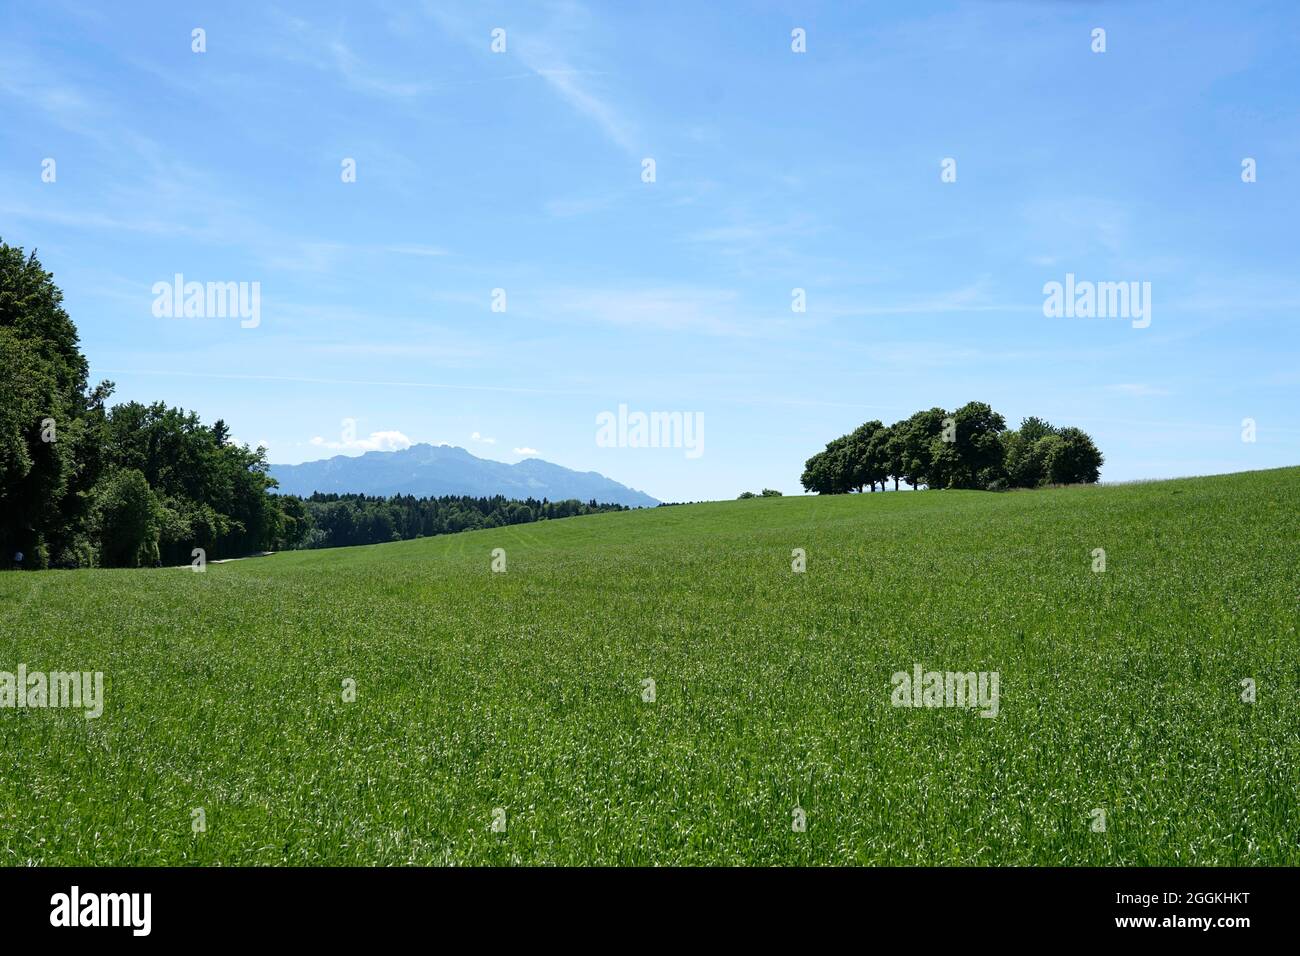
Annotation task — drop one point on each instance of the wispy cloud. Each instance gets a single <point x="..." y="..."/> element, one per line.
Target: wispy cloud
<point x="760" y="238"/>
<point x="310" y="45"/>
<point x="315" y="256"/>
<point x="571" y="87"/>
<point x="541" y="50"/>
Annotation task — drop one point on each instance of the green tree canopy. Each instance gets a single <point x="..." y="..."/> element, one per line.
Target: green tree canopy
<point x="967" y="448"/>
<point x="126" y="520"/>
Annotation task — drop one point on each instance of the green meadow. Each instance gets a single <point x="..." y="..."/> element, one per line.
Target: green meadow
<point x="1121" y="690"/>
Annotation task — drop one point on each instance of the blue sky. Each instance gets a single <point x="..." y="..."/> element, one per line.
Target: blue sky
<point x="774" y="170"/>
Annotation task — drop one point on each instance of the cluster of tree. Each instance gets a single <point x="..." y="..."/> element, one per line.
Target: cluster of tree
<point x="82" y="484"/>
<point x="329" y="521"/>
<point x="967" y="448"/>
<point x="765" y="493"/>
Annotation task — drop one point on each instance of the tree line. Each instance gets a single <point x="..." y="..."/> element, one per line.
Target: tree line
<point x="967" y="448"/>
<point x="86" y="484"/>
<point x="332" y="520"/>
<point x="83" y="484"/>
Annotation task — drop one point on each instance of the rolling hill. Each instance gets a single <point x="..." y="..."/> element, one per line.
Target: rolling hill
<point x="661" y="687"/>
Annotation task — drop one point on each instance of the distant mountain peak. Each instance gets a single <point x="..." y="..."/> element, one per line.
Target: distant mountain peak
<point x="427" y="470"/>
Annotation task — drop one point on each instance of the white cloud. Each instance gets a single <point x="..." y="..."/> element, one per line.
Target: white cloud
<point x="482" y="439"/>
<point x="239" y="441"/>
<point x="377" y="441"/>
<point x="525" y="451"/>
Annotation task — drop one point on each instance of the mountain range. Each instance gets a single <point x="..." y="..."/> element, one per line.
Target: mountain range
<point x="435" y="470"/>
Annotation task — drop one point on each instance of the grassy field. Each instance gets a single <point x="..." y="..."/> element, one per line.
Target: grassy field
<point x="1120" y="691"/>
